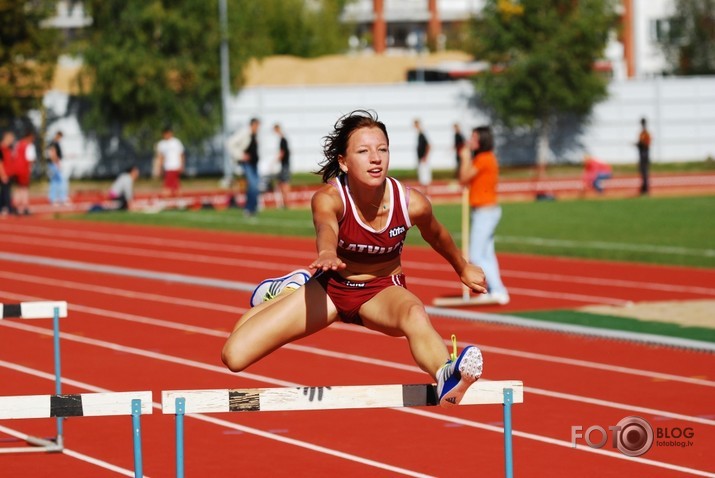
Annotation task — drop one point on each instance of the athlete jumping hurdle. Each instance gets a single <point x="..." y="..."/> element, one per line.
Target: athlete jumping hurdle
<point x="361" y="219"/>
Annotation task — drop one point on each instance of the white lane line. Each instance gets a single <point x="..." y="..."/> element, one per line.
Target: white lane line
<point x="609" y="246"/>
<point x="161" y="242"/>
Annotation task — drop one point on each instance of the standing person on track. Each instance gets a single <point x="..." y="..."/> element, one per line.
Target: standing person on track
<point x="25" y="156"/>
<point x="643" y="145"/>
<point x="243" y="147"/>
<point x="361" y="218"/>
<point x="170" y="160"/>
<point x="459" y="144"/>
<point x="59" y="181"/>
<point x="284" y="161"/>
<point x="6" y="173"/>
<point x="424" y="169"/>
<point x="481" y="175"/>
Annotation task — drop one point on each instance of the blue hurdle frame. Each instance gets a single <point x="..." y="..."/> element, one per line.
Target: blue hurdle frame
<point x="508" y="450"/>
<point x="58" y="375"/>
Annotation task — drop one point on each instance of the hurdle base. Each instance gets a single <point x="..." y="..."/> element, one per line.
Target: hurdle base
<point x="462" y="302"/>
<point x="36" y="445"/>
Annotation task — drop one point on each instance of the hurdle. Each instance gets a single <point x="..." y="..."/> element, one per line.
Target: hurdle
<point x="83" y="405"/>
<point x="182" y="402"/>
<point x="41" y="310"/>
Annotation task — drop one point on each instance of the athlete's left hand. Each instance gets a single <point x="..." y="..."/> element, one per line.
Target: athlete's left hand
<point x="473" y="277"/>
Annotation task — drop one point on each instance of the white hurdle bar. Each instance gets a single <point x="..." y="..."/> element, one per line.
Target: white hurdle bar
<point x="83" y="405"/>
<point x="41" y="310"/>
<point x="182" y="402"/>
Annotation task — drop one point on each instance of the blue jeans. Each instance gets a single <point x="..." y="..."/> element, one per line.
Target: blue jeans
<point x="58" y="185"/>
<point x="252" y="190"/>
<point x="597" y="181"/>
<point x="481" y="245"/>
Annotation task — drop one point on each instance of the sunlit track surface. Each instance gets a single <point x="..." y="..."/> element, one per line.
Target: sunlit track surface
<point x="143" y="330"/>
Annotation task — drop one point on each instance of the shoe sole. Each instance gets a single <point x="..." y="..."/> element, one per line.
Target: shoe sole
<point x="470" y="369"/>
<point x="264" y="286"/>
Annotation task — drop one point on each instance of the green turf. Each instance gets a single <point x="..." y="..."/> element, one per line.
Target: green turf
<point x="620" y="323"/>
<point x="676" y="231"/>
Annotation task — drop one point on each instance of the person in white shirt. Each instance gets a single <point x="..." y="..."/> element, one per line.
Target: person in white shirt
<point x="169" y="160"/>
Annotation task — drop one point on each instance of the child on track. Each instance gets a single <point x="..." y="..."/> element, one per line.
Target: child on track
<point x="361" y="218"/>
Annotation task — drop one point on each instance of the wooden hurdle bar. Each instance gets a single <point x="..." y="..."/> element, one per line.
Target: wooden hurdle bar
<point x="83" y="405"/>
<point x="41" y="310"/>
<point x="182" y="402"/>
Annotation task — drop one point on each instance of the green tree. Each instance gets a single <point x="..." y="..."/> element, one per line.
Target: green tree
<point x="688" y="37"/>
<point x="28" y="54"/>
<point x="542" y="55"/>
<point x="153" y="62"/>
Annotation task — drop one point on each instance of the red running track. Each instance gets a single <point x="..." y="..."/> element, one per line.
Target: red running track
<point x="131" y="328"/>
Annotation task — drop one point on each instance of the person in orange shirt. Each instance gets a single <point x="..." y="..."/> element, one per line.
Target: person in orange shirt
<point x="481" y="175"/>
<point x="643" y="146"/>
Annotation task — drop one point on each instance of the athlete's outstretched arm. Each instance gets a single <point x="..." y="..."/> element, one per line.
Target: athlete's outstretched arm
<point x="437" y="236"/>
<point x="326" y="206"/>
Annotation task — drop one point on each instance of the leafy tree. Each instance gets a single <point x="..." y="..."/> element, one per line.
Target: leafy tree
<point x="28" y="54"/>
<point x="689" y="38"/>
<point x="153" y="62"/>
<point x="542" y="55"/>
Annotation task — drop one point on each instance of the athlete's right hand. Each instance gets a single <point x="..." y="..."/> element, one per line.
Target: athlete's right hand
<point x="327" y="261"/>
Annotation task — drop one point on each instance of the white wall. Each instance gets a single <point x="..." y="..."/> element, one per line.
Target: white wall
<point x="680" y="112"/>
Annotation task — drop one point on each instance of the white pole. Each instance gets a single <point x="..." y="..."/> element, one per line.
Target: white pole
<point x="225" y="91"/>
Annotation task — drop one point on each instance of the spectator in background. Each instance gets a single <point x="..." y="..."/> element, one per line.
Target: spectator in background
<point x="59" y="184"/>
<point x="424" y="170"/>
<point x="458" y="145"/>
<point x="243" y="148"/>
<point x="594" y="172"/>
<point x="481" y="174"/>
<point x="122" y="189"/>
<point x="169" y="161"/>
<point x="6" y="172"/>
<point x="25" y="156"/>
<point x="643" y="146"/>
<point x="284" y="161"/>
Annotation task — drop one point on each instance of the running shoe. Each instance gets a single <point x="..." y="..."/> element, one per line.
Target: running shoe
<point x="271" y="288"/>
<point x="458" y="374"/>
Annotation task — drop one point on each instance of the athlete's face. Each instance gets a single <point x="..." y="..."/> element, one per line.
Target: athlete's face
<point x="367" y="156"/>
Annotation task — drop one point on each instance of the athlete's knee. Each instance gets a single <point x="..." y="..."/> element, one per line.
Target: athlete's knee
<point x="232" y="359"/>
<point x="415" y="317"/>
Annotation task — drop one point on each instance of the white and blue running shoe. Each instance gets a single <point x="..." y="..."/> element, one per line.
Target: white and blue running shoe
<point x="458" y="374"/>
<point x="271" y="288"/>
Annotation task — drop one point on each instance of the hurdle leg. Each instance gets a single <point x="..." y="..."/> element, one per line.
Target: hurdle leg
<point x="137" y="432"/>
<point x="58" y="373"/>
<point x="180" y="409"/>
<point x="508" y="452"/>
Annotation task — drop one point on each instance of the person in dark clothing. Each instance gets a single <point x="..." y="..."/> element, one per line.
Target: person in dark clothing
<point x="284" y="160"/>
<point x="458" y="145"/>
<point x="643" y="146"/>
<point x="243" y="147"/>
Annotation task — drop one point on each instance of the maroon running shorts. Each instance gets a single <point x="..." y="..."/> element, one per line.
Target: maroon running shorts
<point x="348" y="296"/>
